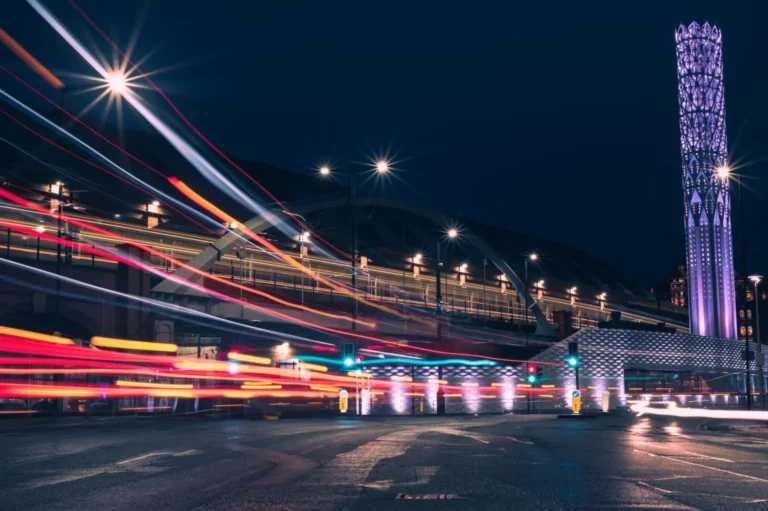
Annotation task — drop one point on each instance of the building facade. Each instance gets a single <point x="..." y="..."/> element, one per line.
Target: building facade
<point x="711" y="290"/>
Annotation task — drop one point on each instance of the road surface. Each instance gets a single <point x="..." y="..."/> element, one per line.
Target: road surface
<point x="467" y="463"/>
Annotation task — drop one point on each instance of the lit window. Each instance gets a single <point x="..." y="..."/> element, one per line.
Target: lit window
<point x="743" y="331"/>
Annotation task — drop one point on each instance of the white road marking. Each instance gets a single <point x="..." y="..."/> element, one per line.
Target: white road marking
<point x="190" y="452"/>
<point x="144" y="456"/>
<point x="704" y="466"/>
<point x="708" y="457"/>
<point x="378" y="485"/>
<point x="518" y="440"/>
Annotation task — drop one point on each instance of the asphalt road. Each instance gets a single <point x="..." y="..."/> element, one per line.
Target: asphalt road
<point x="467" y="463"/>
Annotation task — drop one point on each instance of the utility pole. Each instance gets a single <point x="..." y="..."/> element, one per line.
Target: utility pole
<point x="747" y="353"/>
<point x="353" y="193"/>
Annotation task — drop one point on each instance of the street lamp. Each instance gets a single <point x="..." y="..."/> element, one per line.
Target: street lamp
<point x="724" y="172"/>
<point x="380" y="167"/>
<point x="756" y="279"/>
<point x="117" y="83"/>
<point x="451" y="234"/>
<point x="533" y="258"/>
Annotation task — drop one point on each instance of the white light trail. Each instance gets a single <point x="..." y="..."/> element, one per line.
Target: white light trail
<point x="190" y="154"/>
<point x="642" y="408"/>
<point x="155" y="303"/>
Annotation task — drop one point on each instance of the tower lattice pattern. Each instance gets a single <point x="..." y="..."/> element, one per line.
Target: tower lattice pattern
<point x="712" y="300"/>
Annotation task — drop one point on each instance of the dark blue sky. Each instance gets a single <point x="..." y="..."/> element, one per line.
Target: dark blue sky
<point x="557" y="119"/>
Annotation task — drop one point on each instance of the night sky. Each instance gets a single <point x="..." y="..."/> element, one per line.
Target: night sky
<point x="557" y="119"/>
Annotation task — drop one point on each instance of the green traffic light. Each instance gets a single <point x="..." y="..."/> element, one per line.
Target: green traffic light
<point x="531" y="378"/>
<point x="349" y="361"/>
<point x="573" y="361"/>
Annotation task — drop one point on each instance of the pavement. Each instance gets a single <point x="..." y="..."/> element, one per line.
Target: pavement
<point x="532" y="462"/>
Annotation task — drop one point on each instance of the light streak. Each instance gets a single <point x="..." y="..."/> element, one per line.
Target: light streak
<point x="86" y="225"/>
<point x="155" y="193"/>
<point x="642" y="408"/>
<point x="314" y="367"/>
<point x="157" y="303"/>
<point x="31" y="61"/>
<point x="26" y="334"/>
<point x="124" y="344"/>
<point x="144" y="384"/>
<point x="241" y="357"/>
<point x="226" y="218"/>
<point x="196" y="131"/>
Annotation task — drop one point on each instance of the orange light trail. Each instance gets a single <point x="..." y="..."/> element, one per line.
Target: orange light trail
<point x="26" y="334"/>
<point x="196" y="131"/>
<point x="86" y="225"/>
<point x="31" y="61"/>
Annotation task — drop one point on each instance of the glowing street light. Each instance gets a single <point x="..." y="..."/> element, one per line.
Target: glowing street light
<point x="533" y="257"/>
<point x="417" y="258"/>
<point x="155" y="203"/>
<point x="325" y="170"/>
<point x="452" y="233"/>
<point x="40" y="229"/>
<point x="234" y="224"/>
<point x="723" y="172"/>
<point x="382" y="166"/>
<point x="757" y="279"/>
<point x="283" y="351"/>
<point x="117" y="83"/>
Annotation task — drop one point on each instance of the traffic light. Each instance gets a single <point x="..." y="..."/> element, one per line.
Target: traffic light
<point x="358" y="360"/>
<point x="573" y="355"/>
<point x="539" y="373"/>
<point x="349" y="354"/>
<point x="532" y="373"/>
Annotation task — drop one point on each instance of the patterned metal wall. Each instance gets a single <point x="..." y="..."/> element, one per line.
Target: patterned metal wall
<point x="606" y="353"/>
<point x="604" y="356"/>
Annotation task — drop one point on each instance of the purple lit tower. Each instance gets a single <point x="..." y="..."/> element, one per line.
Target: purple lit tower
<point x="712" y="296"/>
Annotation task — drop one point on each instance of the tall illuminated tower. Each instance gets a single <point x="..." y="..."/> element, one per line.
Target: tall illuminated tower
<point x="712" y="295"/>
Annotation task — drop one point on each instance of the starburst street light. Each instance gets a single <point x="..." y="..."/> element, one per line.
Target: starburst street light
<point x="325" y="170"/>
<point x="382" y="166"/>
<point x="452" y="233"/>
<point x="723" y="172"/>
<point x="117" y="82"/>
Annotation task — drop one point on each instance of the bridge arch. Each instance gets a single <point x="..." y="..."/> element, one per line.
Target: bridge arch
<point x="226" y="243"/>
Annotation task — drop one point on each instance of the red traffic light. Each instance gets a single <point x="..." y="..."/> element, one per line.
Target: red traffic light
<point x="531" y="369"/>
<point x="358" y="359"/>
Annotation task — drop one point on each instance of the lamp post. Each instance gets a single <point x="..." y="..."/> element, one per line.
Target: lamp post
<point x="756" y="279"/>
<point x="381" y="167"/>
<point x="533" y="258"/>
<point x="724" y="172"/>
<point x="450" y="234"/>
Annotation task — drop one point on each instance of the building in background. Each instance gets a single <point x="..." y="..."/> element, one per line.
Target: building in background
<point x="678" y="287"/>
<point x="711" y="288"/>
